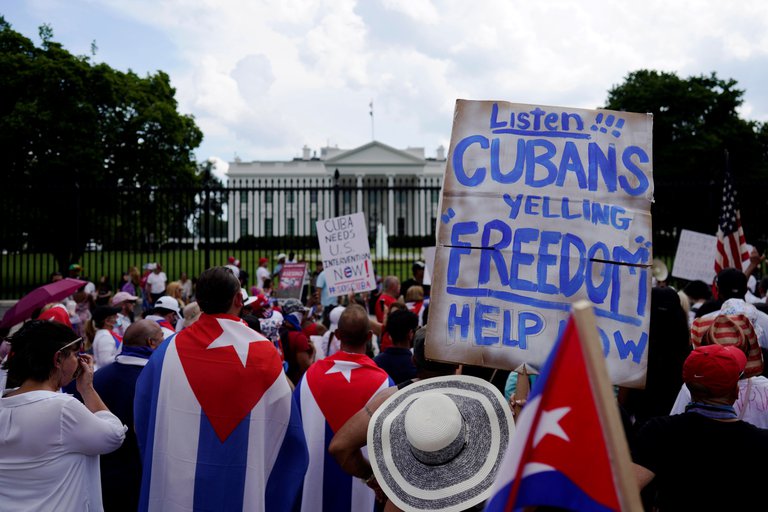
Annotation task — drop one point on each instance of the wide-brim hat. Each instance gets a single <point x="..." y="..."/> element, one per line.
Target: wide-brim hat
<point x="437" y="444"/>
<point x="730" y="330"/>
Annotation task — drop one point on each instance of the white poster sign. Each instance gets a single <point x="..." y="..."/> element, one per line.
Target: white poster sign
<point x="543" y="206"/>
<point x="346" y="254"/>
<point x="695" y="257"/>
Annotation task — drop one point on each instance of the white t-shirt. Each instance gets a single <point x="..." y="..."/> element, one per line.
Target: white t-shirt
<point x="49" y="448"/>
<point x="261" y="274"/>
<point x="104" y="348"/>
<point x="157" y="282"/>
<point x="752" y="391"/>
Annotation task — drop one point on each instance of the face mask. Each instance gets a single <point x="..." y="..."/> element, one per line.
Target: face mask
<point x="118" y="322"/>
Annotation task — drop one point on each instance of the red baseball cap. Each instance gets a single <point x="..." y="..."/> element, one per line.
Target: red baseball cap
<point x="716" y="367"/>
<point x="263" y="260"/>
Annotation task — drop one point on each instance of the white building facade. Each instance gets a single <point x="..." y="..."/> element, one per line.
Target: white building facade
<point x="395" y="188"/>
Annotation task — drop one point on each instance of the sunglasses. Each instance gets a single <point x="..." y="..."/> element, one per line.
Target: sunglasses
<point x="77" y="341"/>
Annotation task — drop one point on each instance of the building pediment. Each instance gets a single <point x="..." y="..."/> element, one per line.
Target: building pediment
<point x="372" y="154"/>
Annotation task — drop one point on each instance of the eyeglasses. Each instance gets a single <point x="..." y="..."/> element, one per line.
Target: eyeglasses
<point x="65" y="347"/>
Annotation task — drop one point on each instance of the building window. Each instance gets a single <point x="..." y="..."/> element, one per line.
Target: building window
<point x="291" y="227"/>
<point x="313" y="226"/>
<point x="267" y="227"/>
<point x="433" y="225"/>
<point x="400" y="196"/>
<point x="435" y="196"/>
<point x="347" y="199"/>
<point x="267" y="196"/>
<point x="243" y="227"/>
<point x="313" y="196"/>
<point x="289" y="196"/>
<point x="243" y="198"/>
<point x="401" y="226"/>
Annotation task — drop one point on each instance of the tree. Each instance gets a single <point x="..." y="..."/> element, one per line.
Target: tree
<point x="72" y="128"/>
<point x="695" y="120"/>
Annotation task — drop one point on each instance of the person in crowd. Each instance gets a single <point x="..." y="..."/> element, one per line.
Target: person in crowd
<point x="417" y="304"/>
<point x="174" y="290"/>
<point x="105" y="342"/>
<point x="675" y="451"/>
<point x="417" y="279"/>
<point x="734" y="328"/>
<point x="330" y="344"/>
<point x="83" y="307"/>
<point x="298" y="350"/>
<point x="698" y="293"/>
<point x="262" y="273"/>
<point x="133" y="285"/>
<point x="218" y="386"/>
<point x="165" y="313"/>
<point x="346" y="446"/>
<point x="323" y="295"/>
<point x="279" y="267"/>
<point x="731" y="285"/>
<point x="56" y="312"/>
<point x="668" y="346"/>
<point x="329" y="393"/>
<point x="126" y="302"/>
<point x="156" y="283"/>
<point x="116" y="384"/>
<point x="191" y="313"/>
<point x="103" y="291"/>
<point x="389" y="295"/>
<point x="49" y="441"/>
<point x="55" y="276"/>
<point x="397" y="360"/>
<point x="187" y="294"/>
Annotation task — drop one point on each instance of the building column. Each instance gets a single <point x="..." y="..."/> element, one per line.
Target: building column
<point x="391" y="224"/>
<point x="359" y="186"/>
<point x="423" y="213"/>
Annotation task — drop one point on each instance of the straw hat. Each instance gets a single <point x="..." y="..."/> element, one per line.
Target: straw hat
<point x="438" y="443"/>
<point x="731" y="330"/>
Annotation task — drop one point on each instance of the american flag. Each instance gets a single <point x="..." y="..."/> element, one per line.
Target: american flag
<point x="731" y="245"/>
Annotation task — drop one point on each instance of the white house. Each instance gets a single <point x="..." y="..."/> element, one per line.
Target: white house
<point x="399" y="188"/>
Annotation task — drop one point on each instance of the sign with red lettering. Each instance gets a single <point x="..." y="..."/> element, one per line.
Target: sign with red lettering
<point x="346" y="254"/>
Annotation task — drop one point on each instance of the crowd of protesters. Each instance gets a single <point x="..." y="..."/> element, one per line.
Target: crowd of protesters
<point x="142" y="359"/>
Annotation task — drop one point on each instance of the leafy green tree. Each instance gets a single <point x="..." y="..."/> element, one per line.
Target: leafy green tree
<point x="71" y="129"/>
<point x="695" y="121"/>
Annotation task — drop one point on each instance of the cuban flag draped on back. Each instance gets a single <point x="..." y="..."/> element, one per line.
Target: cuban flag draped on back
<point x="558" y="456"/>
<point x="332" y="391"/>
<point x="216" y="423"/>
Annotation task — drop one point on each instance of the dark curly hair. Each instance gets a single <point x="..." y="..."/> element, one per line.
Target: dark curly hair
<point x="33" y="348"/>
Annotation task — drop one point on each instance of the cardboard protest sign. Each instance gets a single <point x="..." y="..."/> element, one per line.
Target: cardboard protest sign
<point x="695" y="257"/>
<point x="291" y="280"/>
<point x="346" y="254"/>
<point x="541" y="207"/>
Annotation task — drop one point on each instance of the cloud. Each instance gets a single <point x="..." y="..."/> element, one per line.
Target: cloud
<point x="263" y="78"/>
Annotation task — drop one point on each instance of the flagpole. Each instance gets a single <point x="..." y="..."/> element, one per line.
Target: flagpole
<point x="607" y="411"/>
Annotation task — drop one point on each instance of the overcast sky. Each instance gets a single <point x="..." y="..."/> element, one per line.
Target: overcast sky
<point x="264" y="78"/>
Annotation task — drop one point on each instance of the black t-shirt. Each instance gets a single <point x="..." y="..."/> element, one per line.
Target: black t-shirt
<point x="704" y="464"/>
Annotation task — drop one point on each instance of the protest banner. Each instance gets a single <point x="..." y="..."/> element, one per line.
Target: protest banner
<point x="695" y="257"/>
<point x="291" y="280"/>
<point x="541" y="207"/>
<point x="346" y="254"/>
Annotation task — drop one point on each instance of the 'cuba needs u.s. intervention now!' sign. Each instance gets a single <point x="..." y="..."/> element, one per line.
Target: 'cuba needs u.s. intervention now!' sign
<point x="543" y="206"/>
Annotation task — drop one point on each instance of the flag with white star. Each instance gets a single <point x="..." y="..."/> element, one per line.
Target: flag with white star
<point x="731" y="244"/>
<point x="216" y="423"/>
<point x="330" y="392"/>
<point x="560" y="455"/>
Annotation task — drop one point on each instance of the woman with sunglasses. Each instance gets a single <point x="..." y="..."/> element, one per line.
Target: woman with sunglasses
<point x="49" y="441"/>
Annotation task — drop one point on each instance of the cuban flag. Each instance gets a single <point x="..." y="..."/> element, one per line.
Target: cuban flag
<point x="559" y="454"/>
<point x="330" y="392"/>
<point x="216" y="423"/>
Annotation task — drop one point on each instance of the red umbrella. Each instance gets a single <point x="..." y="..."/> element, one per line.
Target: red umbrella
<point x="38" y="298"/>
